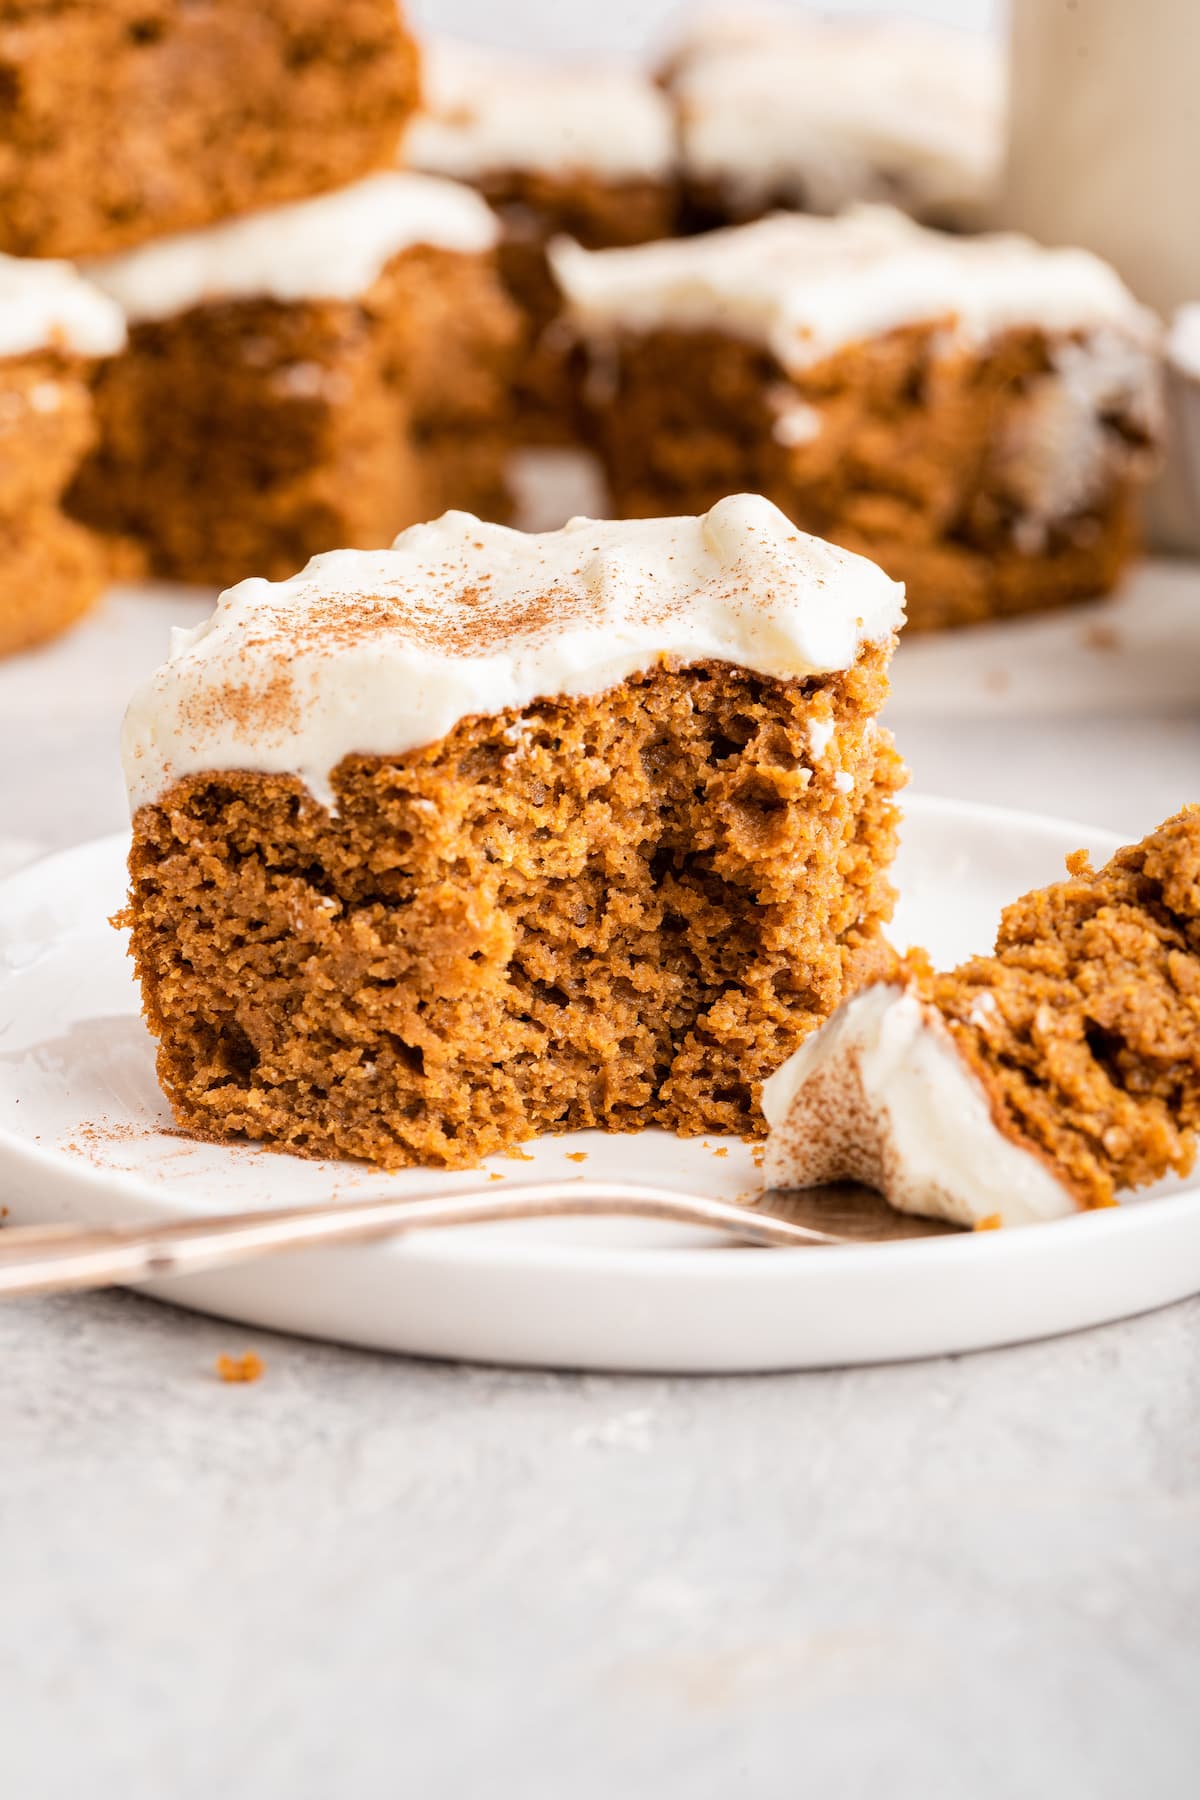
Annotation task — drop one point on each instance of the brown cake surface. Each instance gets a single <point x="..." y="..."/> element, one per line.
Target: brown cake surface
<point x="134" y="118"/>
<point x="613" y="909"/>
<point x="53" y="327"/>
<point x="994" y="470"/>
<point x="251" y="431"/>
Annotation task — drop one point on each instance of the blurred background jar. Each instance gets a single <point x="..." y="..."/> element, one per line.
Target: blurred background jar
<point x="1105" y="152"/>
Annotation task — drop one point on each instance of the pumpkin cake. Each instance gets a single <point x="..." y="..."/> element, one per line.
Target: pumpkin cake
<point x="976" y="414"/>
<point x="780" y="110"/>
<point x="494" y="834"/>
<point x="311" y="377"/>
<point x="53" y="329"/>
<point x="1050" y="1076"/>
<point x="555" y="147"/>
<point x="129" y="119"/>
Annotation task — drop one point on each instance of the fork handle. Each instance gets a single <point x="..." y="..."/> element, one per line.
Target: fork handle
<point x="58" y="1258"/>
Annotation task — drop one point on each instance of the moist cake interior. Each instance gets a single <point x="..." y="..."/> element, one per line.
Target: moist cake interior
<point x="620" y="911"/>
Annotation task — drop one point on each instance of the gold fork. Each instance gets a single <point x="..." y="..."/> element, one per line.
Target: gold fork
<point x="47" y="1259"/>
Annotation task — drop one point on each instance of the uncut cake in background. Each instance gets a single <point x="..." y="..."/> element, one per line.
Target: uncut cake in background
<point x="978" y="414"/>
<point x="53" y="328"/>
<point x="578" y="147"/>
<point x="306" y="376"/>
<point x="516" y="833"/>
<point x="779" y="109"/>
<point x="125" y="120"/>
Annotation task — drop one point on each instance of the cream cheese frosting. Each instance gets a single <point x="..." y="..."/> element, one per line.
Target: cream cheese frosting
<point x="44" y="304"/>
<point x="487" y="112"/>
<point x="329" y="248"/>
<point x="377" y="652"/>
<point x="826" y="112"/>
<point x="806" y="286"/>
<point x="881" y="1094"/>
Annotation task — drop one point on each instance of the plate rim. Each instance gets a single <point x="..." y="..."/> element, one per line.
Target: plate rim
<point x="689" y="1261"/>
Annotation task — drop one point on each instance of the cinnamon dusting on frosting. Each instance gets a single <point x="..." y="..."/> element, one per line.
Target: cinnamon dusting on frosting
<point x="378" y="652"/>
<point x="272" y="706"/>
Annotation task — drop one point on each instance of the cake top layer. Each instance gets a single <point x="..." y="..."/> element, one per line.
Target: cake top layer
<point x="46" y="305"/>
<point x="833" y="111"/>
<point x="806" y="286"/>
<point x="377" y="652"/>
<point x="488" y="112"/>
<point x="330" y="248"/>
<point x="882" y="1094"/>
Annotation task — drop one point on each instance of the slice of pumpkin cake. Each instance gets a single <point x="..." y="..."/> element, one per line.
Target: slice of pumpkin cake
<point x="493" y="834"/>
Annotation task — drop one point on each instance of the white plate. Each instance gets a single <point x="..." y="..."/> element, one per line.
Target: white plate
<point x="84" y="1133"/>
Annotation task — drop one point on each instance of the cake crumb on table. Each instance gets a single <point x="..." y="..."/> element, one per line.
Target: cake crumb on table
<point x="237" y="1369"/>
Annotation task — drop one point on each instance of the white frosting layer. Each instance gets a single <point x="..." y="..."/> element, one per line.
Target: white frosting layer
<point x="881" y="1094"/>
<point x="824" y="113"/>
<point x="1183" y="341"/>
<point x="330" y="248"/>
<point x="49" y="303"/>
<point x="488" y="111"/>
<point x="380" y="651"/>
<point x="805" y="286"/>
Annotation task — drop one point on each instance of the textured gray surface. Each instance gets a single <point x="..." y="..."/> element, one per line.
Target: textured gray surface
<point x="977" y="1580"/>
<point x="369" y="1577"/>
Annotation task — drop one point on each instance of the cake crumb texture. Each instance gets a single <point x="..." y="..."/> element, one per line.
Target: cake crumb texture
<point x="613" y="912"/>
<point x="1085" y="1022"/>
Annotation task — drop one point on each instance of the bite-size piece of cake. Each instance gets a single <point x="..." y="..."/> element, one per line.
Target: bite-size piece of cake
<point x="316" y="376"/>
<point x="777" y="110"/>
<point x="125" y="120"/>
<point x="1048" y="1077"/>
<point x="494" y="834"/>
<point x="555" y="146"/>
<point x="54" y="328"/>
<point x="976" y="414"/>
